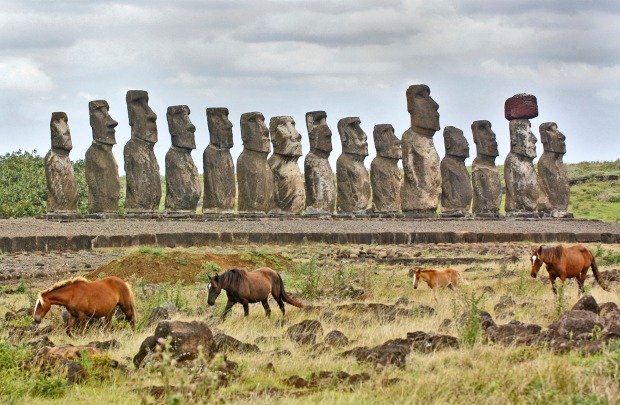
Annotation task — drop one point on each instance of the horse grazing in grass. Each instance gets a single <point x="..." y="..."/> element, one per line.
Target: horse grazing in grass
<point x="565" y="262"/>
<point x="249" y="287"/>
<point x="438" y="278"/>
<point x="87" y="299"/>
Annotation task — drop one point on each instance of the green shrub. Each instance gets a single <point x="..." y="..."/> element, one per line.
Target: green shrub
<point x="152" y="250"/>
<point x="470" y="332"/>
<point x="23" y="190"/>
<point x="208" y="269"/>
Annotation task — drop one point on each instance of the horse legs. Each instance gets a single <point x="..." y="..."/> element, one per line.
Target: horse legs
<point x="70" y="324"/>
<point x="265" y="303"/>
<point x="246" y="307"/>
<point x="581" y="278"/>
<point x="434" y="295"/>
<point x="278" y="299"/>
<point x="552" y="279"/>
<point x="229" y="305"/>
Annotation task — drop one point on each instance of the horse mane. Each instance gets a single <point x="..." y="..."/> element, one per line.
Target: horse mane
<point x="64" y="283"/>
<point x="231" y="278"/>
<point x="552" y="253"/>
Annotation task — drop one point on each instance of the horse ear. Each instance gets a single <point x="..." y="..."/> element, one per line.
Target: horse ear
<point x="540" y="249"/>
<point x="534" y="250"/>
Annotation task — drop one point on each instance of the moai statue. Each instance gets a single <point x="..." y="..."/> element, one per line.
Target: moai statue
<point x="182" y="181"/>
<point x="456" y="190"/>
<point x="254" y="176"/>
<point x="219" y="170"/>
<point x="522" y="190"/>
<point x="552" y="175"/>
<point x="320" y="186"/>
<point x="351" y="175"/>
<point x="289" y="191"/>
<point x="485" y="178"/>
<point x="101" y="169"/>
<point x="141" y="168"/>
<point x="421" y="187"/>
<point x="62" y="196"/>
<point x="384" y="171"/>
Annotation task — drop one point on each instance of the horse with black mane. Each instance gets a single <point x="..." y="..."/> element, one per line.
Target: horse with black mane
<point x="87" y="299"/>
<point x="565" y="262"/>
<point x="250" y="287"/>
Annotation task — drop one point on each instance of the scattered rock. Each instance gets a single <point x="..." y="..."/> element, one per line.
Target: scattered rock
<point x="225" y="343"/>
<point x="157" y="314"/>
<point x="336" y="338"/>
<point x="587" y="303"/>
<point x="577" y="324"/>
<point x="112" y="344"/>
<point x="486" y="320"/>
<point x="514" y="332"/>
<point x="608" y="308"/>
<point x="305" y="332"/>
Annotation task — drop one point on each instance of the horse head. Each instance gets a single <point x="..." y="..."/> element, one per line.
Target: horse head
<point x="214" y="289"/>
<point x="41" y="307"/>
<point x="536" y="261"/>
<point x="416" y="277"/>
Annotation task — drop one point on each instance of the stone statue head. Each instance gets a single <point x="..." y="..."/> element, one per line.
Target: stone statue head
<point x="141" y="117"/>
<point x="423" y="109"/>
<point x="314" y="119"/>
<point x="552" y="139"/>
<point x="352" y="137"/>
<point x="386" y="143"/>
<point x="220" y="127"/>
<point x="254" y="132"/>
<point x="484" y="138"/>
<point x="522" y="140"/>
<point x="102" y="124"/>
<point x="455" y="142"/>
<point x="61" y="136"/>
<point x="285" y="138"/>
<point x="181" y="127"/>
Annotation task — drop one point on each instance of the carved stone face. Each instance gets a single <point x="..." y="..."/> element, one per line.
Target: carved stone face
<point x="455" y="142"/>
<point x="220" y="128"/>
<point x="552" y="139"/>
<point x="352" y="137"/>
<point x="423" y="109"/>
<point x="386" y="143"/>
<point x="314" y="119"/>
<point x="254" y="132"/>
<point x="61" y="136"/>
<point x="321" y="138"/>
<point x="102" y="124"/>
<point x="181" y="127"/>
<point x="522" y="140"/>
<point x="285" y="138"/>
<point x="141" y="117"/>
<point x="484" y="137"/>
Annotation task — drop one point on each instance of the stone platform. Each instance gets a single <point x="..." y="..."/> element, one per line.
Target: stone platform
<point x="30" y="234"/>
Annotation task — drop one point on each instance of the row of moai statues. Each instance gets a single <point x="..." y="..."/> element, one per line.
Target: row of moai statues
<point x="276" y="185"/>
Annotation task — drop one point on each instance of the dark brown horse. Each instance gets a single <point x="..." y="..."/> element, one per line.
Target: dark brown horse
<point x="565" y="262"/>
<point x="87" y="299"/>
<point x="249" y="287"/>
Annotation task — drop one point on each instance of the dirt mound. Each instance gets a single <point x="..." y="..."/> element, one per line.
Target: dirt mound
<point x="165" y="266"/>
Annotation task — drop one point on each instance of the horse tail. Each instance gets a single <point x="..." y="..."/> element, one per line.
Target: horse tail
<point x="132" y="304"/>
<point x="287" y="298"/>
<point x="597" y="275"/>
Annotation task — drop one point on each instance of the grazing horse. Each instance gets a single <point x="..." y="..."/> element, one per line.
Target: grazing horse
<point x="438" y="278"/>
<point x="565" y="262"/>
<point x="87" y="299"/>
<point x="250" y="287"/>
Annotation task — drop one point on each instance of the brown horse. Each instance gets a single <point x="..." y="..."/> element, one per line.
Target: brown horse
<point x="565" y="263"/>
<point x="438" y="278"/>
<point x="249" y="287"/>
<point x="87" y="299"/>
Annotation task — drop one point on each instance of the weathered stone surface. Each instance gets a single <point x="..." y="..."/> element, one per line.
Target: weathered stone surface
<point x="100" y="165"/>
<point x="157" y="315"/>
<point x="577" y="324"/>
<point x="336" y="338"/>
<point x="485" y="319"/>
<point x="143" y="190"/>
<point x="421" y="187"/>
<point x="254" y="176"/>
<point x="385" y="174"/>
<point x="219" y="170"/>
<point x="305" y="332"/>
<point x="186" y="337"/>
<point x="485" y="178"/>
<point x="552" y="174"/>
<point x="587" y="303"/>
<point x="521" y="106"/>
<point x="522" y="189"/>
<point x="62" y="194"/>
<point x="225" y="343"/>
<point x="319" y="176"/>
<point x="351" y="175"/>
<point x="289" y="191"/>
<point x="182" y="180"/>
<point x="456" y="188"/>
<point x="514" y="332"/>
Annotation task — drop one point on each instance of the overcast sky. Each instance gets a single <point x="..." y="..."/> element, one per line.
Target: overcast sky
<point x="349" y="58"/>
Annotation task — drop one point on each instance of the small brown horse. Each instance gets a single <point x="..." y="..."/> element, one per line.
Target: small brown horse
<point x="565" y="262"/>
<point x="87" y="299"/>
<point x="249" y="287"/>
<point x="438" y="278"/>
